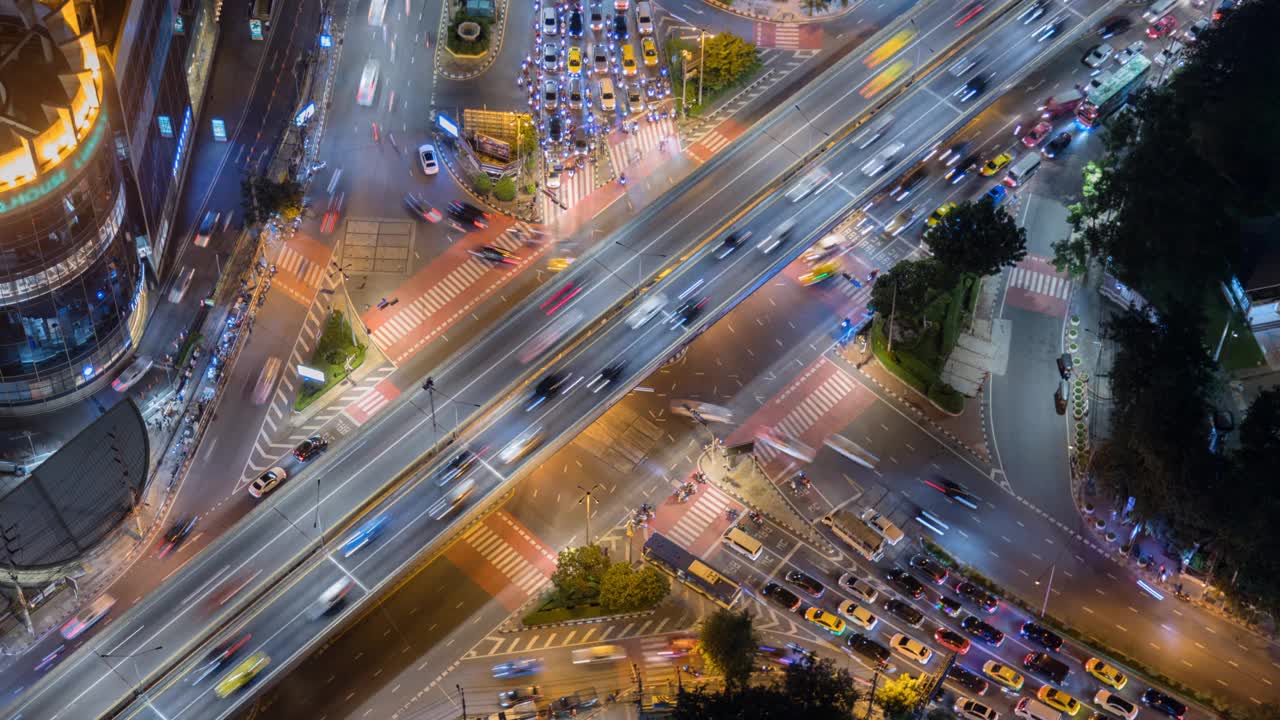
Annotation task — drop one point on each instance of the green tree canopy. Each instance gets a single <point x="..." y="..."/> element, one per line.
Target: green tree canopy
<point x="728" y="642"/>
<point x="579" y="572"/>
<point x="899" y="696"/>
<point x="625" y="588"/>
<point x="819" y="690"/>
<point x="728" y="58"/>
<point x="977" y="237"/>
<point x="905" y="290"/>
<point x="262" y="197"/>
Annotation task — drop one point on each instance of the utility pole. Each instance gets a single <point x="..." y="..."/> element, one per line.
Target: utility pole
<point x="463" y="696"/>
<point x="635" y="670"/>
<point x="11" y="548"/>
<point x="893" y="306"/>
<point x="1049" y="587"/>
<point x="430" y="387"/>
<point x="587" y="497"/>
<point x="871" y="699"/>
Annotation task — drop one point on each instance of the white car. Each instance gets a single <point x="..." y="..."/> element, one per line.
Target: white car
<point x="644" y="18"/>
<point x="859" y="588"/>
<point x="1135" y="49"/>
<point x="1115" y="704"/>
<point x="858" y="615"/>
<point x="551" y="57"/>
<point x="427" y="154"/>
<point x="132" y="374"/>
<point x="368" y="83"/>
<point x="911" y="648"/>
<point x="553" y="177"/>
<point x="882" y="160"/>
<point x="646" y="310"/>
<point x="1098" y="55"/>
<point x="550" y="94"/>
<point x="267" y="482"/>
<point x="521" y="445"/>
<point x="807" y="184"/>
<point x="550" y="20"/>
<point x="974" y="710"/>
<point x="1171" y="55"/>
<point x="881" y="524"/>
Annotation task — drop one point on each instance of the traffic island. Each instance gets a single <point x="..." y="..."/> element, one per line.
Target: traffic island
<point x="471" y="39"/>
<point x="744" y="480"/>
<point x="336" y="356"/>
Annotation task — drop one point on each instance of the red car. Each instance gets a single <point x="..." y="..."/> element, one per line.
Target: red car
<point x="970" y="12"/>
<point x="1037" y="134"/>
<point x="1164" y="26"/>
<point x="952" y="640"/>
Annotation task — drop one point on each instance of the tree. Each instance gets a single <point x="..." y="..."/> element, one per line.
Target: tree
<point x="899" y="696"/>
<point x="818" y="690"/>
<point x="505" y="189"/>
<point x="813" y="7"/>
<point x="579" y="572"/>
<point x="262" y="198"/>
<point x="905" y="290"/>
<point x="728" y="643"/>
<point x="728" y="58"/>
<point x="625" y="588"/>
<point x="482" y="183"/>
<point x="977" y="237"/>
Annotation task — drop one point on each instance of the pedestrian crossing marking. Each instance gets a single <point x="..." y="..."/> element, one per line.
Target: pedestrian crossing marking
<point x="573" y="188"/>
<point x="506" y="559"/>
<point x="706" y="509"/>
<point x="811" y="409"/>
<point x="295" y="263"/>
<point x="636" y="145"/>
<point x="1040" y="283"/>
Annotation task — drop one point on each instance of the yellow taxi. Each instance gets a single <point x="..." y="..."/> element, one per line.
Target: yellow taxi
<point x="628" y="60"/>
<point x="556" y="264"/>
<point x="941" y="212"/>
<point x="242" y="674"/>
<point x="995" y="164"/>
<point x="1003" y="674"/>
<point x="575" y="60"/>
<point x="825" y="620"/>
<point x="1055" y="698"/>
<point x="650" y="52"/>
<point x="820" y="272"/>
<point x="1106" y="673"/>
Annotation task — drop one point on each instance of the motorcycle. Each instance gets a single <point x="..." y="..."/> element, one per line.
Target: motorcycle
<point x="731" y="514"/>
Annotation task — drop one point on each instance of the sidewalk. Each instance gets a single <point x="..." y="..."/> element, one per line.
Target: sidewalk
<point x="743" y="479"/>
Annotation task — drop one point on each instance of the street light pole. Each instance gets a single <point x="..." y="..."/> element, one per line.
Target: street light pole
<point x="702" y="52"/>
<point x="587" y="497"/>
<point x="1048" y="588"/>
<point x="105" y="657"/>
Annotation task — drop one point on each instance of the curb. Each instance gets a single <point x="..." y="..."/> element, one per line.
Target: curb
<point x="521" y="627"/>
<point x="726" y="7"/>
<point x="492" y="55"/>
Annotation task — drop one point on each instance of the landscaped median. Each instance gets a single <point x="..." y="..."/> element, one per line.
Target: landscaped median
<point x="337" y="355"/>
<point x="587" y="585"/>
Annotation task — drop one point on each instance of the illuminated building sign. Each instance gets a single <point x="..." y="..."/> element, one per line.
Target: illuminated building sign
<point x="182" y="141"/>
<point x="255" y="29"/>
<point x="447" y="125"/>
<point x="304" y="114"/>
<point x="219" y="129"/>
<point x="166" y="126"/>
<point x="52" y="181"/>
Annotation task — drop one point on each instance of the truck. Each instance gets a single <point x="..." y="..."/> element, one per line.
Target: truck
<point x="847" y="526"/>
<point x="1061" y="105"/>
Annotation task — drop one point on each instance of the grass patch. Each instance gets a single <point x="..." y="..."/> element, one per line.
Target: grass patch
<point x="477" y="47"/>
<point x="1240" y="350"/>
<point x="184" y="352"/>
<point x="336" y="355"/>
<point x="919" y="366"/>
<point x="553" y="610"/>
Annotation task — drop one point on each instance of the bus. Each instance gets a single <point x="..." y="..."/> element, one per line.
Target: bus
<point x="688" y="569"/>
<point x="856" y="534"/>
<point x="1112" y="94"/>
<point x="377" y="9"/>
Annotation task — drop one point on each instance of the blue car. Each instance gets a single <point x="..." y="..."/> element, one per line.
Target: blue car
<point x="997" y="195"/>
<point x="517" y="668"/>
<point x="365" y="535"/>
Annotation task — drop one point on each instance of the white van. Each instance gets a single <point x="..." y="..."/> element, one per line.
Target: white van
<point x="644" y="17"/>
<point x="1157" y="9"/>
<point x="607" y="100"/>
<point x="330" y="598"/>
<point x="180" y="284"/>
<point x="647" y="309"/>
<point x="882" y="160"/>
<point x="1022" y="170"/>
<point x="738" y="540"/>
<point x="1032" y="709"/>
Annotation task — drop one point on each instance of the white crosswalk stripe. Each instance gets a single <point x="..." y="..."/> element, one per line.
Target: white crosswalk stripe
<point x="787" y="37"/>
<point x="571" y="191"/>
<point x="1040" y="283"/>
<point x="522" y="573"/>
<point x="412" y="316"/>
<point x="635" y="146"/>
<point x="811" y="409"/>
<point x="293" y="262"/>
<point x="708" y="505"/>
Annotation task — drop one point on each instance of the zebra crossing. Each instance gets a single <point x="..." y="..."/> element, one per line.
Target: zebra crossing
<point x="562" y="637"/>
<point x="636" y="145"/>
<point x="417" y="312"/>
<point x="295" y="263"/>
<point x="707" y="508"/>
<point x="573" y="188"/>
<point x="1040" y="283"/>
<point x="506" y="559"/>
<point x="811" y="409"/>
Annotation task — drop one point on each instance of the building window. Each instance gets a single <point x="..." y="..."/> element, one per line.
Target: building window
<point x="166" y="125"/>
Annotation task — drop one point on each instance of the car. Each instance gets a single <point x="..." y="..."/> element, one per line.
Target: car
<point x="996" y="164"/>
<point x="457" y="466"/>
<point x="996" y="195"/>
<point x="948" y="606"/>
<point x="1157" y="700"/>
<point x="421" y="209"/>
<point x="547" y="388"/>
<point x="1003" y="674"/>
<point x="1106" y="672"/>
<point x="904" y="612"/>
<point x="521" y="445"/>
<point x="911" y="648"/>
<point x="968" y="679"/>
<point x="807" y="184"/>
<point x="1048" y="31"/>
<point x="242" y="674"/>
<point x="495" y="254"/>
<point x="620" y="32"/>
<point x="859" y="588"/>
<point x="882" y="525"/>
<point x="820" y="272"/>
<point x="1098" y="55"/>
<point x="1033" y="13"/>
<point x="569" y="705"/>
<point x="551" y="57"/>
<point x="575" y="92"/>
<point x="267" y="481"/>
<point x="883" y="160"/>
<point x="511" y="698"/>
<point x="366" y="534"/>
<point x="596" y="16"/>
<point x="310" y="447"/>
<point x="982" y="630"/>
<point x="977" y="596"/>
<point x="688" y="311"/>
<point x="517" y="668"/>
<point x="1171" y="54"/>
<point x="905" y="583"/>
<point x="88" y="617"/>
<point x="868" y="648"/>
<point x="427" y="156"/>
<point x="1197" y="29"/>
<point x="952" y="640"/>
<point x="1055" y="698"/>
<point x="973" y="710"/>
<point x="368" y="83"/>
<point x="1042" y="636"/>
<point x="575" y="23"/>
<point x="1113" y="26"/>
<point x="901" y="221"/>
<point x="634" y="99"/>
<point x="600" y="58"/>
<point x="1133" y="50"/>
<point x="970" y="12"/>
<point x="1037" y="134"/>
<point x="1047" y="665"/>
<point x="731" y="243"/>
<point x="646" y="310"/>
<point x="806" y="583"/>
<point x="953" y="153"/>
<point x="550" y="94"/>
<point x="937" y="215"/>
<point x="550" y="20"/>
<point x="930" y="567"/>
<point x="598" y="654"/>
<point x="1222" y="9"/>
<point x="858" y="615"/>
<point x="629" y="67"/>
<point x="132" y="374"/>
<point x="783" y="597"/>
<point x="204" y="232"/>
<point x="973" y="88"/>
<point x="176" y="535"/>
<point x="331" y="599"/>
<point x="1115" y="704"/>
<point x="218" y="657"/>
<point x="963" y="169"/>
<point x="1055" y="146"/>
<point x="1162" y="27"/>
<point x="649" y="51"/>
<point x="825" y="620"/>
<point x="913" y="180"/>
<point x="466" y="213"/>
<point x="574" y="63"/>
